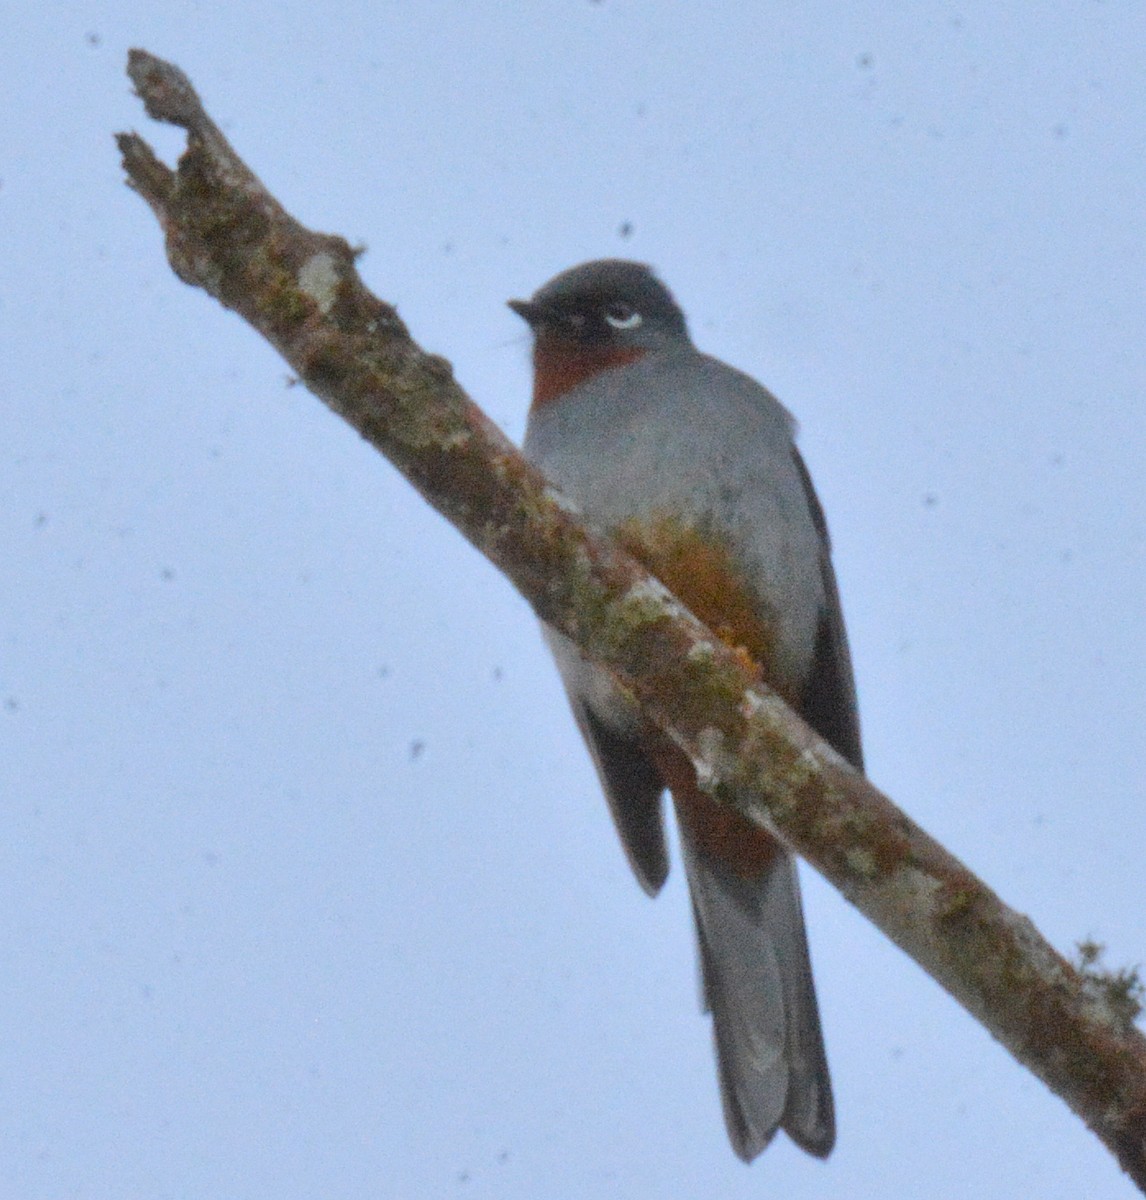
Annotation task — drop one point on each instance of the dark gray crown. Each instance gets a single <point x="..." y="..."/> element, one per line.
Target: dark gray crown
<point x="588" y="290"/>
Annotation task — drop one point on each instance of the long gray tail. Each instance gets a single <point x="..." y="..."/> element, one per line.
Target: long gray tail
<point x="757" y="981"/>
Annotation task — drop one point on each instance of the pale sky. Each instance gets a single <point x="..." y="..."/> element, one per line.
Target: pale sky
<point x="308" y="886"/>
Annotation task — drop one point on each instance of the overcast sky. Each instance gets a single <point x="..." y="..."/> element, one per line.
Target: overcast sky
<point x="307" y="885"/>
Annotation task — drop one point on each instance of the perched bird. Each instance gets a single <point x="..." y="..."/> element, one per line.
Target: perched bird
<point x="693" y="467"/>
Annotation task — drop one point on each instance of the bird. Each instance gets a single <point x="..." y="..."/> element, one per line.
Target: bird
<point x="692" y="467"/>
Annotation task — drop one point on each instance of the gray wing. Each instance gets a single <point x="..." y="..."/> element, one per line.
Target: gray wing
<point x="611" y="727"/>
<point x="829" y="703"/>
<point x="633" y="789"/>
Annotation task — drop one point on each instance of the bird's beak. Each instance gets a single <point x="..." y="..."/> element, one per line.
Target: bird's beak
<point x="532" y="314"/>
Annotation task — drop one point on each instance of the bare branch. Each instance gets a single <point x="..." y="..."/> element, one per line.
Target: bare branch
<point x="300" y="289"/>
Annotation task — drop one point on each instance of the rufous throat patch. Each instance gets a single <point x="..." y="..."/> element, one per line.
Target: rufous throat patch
<point x="560" y="364"/>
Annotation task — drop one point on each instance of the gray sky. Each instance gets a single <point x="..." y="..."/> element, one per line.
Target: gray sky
<point x="308" y="887"/>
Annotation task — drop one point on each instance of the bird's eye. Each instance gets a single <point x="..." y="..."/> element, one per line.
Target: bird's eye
<point x="622" y="316"/>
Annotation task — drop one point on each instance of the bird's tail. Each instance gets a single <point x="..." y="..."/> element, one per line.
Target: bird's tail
<point x="757" y="983"/>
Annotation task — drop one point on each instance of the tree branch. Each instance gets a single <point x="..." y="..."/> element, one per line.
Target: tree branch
<point x="300" y="289"/>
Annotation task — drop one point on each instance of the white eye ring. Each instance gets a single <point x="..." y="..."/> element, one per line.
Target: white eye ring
<point x="621" y="316"/>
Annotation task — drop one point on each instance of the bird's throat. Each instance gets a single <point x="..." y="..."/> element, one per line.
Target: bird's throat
<point x="560" y="364"/>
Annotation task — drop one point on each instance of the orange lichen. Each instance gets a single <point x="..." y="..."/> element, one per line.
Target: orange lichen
<point x="698" y="567"/>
